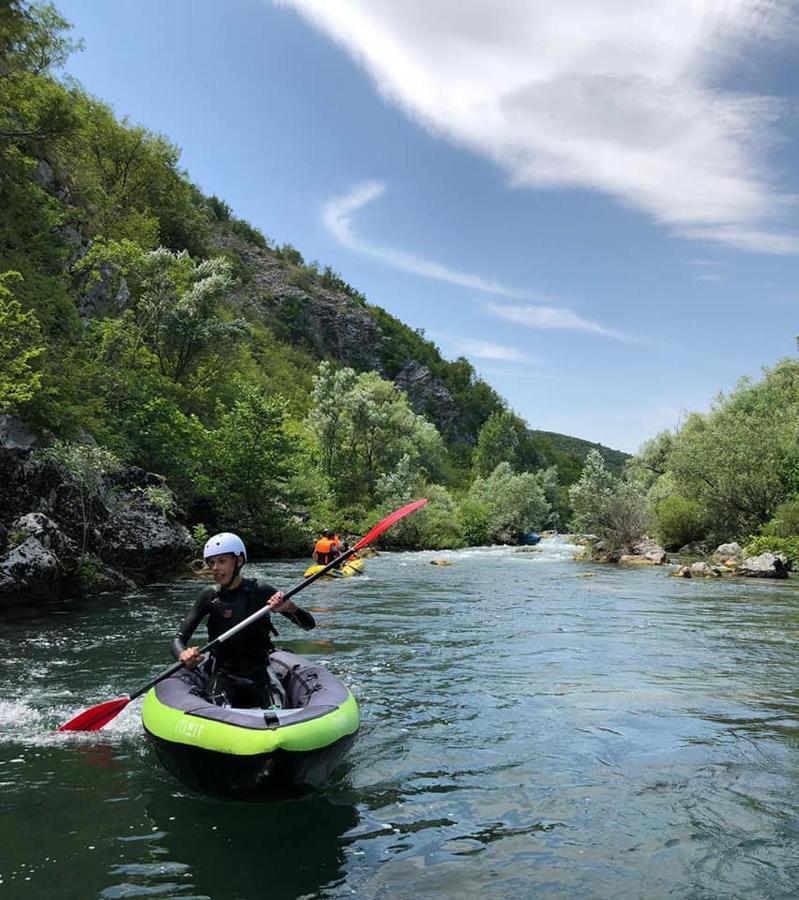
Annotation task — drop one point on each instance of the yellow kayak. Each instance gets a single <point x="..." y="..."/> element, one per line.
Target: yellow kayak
<point x="353" y="566"/>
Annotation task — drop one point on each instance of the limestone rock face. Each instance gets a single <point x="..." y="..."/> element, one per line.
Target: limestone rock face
<point x="107" y="295"/>
<point x="144" y="543"/>
<point x="429" y="396"/>
<point x="330" y="323"/>
<point x="327" y="322"/>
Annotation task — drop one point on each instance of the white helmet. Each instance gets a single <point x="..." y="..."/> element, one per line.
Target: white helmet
<point x="224" y="543"/>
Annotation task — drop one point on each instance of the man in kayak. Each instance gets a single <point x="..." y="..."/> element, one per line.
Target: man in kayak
<point x="241" y="672"/>
<point x="326" y="548"/>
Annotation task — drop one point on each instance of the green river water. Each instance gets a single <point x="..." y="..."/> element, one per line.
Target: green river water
<point x="531" y="727"/>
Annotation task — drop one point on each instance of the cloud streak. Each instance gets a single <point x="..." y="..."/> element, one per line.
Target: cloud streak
<point x="478" y="349"/>
<point x="621" y="97"/>
<point x="551" y="317"/>
<point x="337" y="217"/>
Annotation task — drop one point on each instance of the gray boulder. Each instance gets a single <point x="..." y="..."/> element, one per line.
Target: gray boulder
<point x="31" y="572"/>
<point x="697" y="548"/>
<point x="15" y="436"/>
<point x="146" y="544"/>
<point x="727" y="551"/>
<point x="651" y="551"/>
<point x="767" y="565"/>
<point x="47" y="533"/>
<point x="700" y="570"/>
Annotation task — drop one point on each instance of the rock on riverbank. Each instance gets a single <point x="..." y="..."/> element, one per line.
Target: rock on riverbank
<point x="61" y="536"/>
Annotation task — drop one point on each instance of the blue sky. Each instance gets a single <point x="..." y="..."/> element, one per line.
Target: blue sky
<point x="595" y="202"/>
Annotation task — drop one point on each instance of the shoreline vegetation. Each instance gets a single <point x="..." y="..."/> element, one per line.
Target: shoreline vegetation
<point x="168" y="371"/>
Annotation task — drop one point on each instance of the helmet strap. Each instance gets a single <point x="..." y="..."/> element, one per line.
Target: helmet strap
<point x="235" y="575"/>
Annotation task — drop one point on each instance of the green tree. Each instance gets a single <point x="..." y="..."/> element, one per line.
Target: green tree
<point x="245" y="465"/>
<point x="364" y="425"/>
<point x="741" y="460"/>
<point x="126" y="169"/>
<point x="177" y="303"/>
<point x="607" y="506"/>
<point x="331" y="389"/>
<point x="515" y="502"/>
<point x="497" y="442"/>
<point x="33" y="108"/>
<point x="20" y="349"/>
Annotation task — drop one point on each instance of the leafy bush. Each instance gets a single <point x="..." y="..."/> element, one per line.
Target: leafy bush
<point x="678" y="522"/>
<point x="20" y="349"/>
<point x="607" y="506"/>
<point x="200" y="534"/>
<point x="785" y="522"/>
<point x="87" y="467"/>
<point x="161" y="498"/>
<point x="249" y="233"/>
<point x="220" y="211"/>
<point x="472" y="517"/>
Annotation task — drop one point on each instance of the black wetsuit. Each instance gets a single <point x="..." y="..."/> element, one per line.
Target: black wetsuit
<point x="246" y="654"/>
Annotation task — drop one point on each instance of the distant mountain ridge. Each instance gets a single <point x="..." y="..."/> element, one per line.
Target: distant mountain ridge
<point x="578" y="447"/>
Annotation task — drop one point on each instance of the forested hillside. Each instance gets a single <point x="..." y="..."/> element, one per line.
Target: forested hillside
<point x="144" y="322"/>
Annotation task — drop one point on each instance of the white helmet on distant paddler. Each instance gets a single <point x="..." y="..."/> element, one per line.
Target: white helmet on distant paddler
<point x="225" y="542"/>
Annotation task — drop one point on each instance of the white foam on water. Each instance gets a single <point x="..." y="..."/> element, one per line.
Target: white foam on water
<point x="14" y="713"/>
<point x="551" y="549"/>
<point x="34" y="726"/>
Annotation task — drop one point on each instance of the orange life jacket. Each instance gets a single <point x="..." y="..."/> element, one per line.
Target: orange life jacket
<point x="324" y="550"/>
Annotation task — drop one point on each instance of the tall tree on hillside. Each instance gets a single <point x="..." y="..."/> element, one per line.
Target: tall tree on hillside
<point x="330" y="390"/>
<point x="20" y="347"/>
<point x="364" y="425"/>
<point x="496" y="443"/>
<point x="33" y="40"/>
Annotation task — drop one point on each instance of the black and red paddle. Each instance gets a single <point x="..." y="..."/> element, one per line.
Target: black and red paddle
<point x="94" y="718"/>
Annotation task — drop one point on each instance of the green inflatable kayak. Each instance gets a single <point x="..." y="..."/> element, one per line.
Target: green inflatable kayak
<point x="251" y="754"/>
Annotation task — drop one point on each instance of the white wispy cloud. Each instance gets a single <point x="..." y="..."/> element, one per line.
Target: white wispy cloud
<point x="622" y="97"/>
<point x="487" y="350"/>
<point x="337" y="217"/>
<point x="551" y="317"/>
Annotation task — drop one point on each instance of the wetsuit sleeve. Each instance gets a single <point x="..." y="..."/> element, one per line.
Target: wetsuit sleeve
<point x="190" y="623"/>
<point x="300" y="617"/>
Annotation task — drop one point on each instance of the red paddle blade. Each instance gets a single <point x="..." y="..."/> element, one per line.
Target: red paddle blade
<point x="95" y="717"/>
<point x="388" y="522"/>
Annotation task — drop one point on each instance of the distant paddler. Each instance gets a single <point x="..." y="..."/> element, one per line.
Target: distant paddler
<point x="327" y="548"/>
